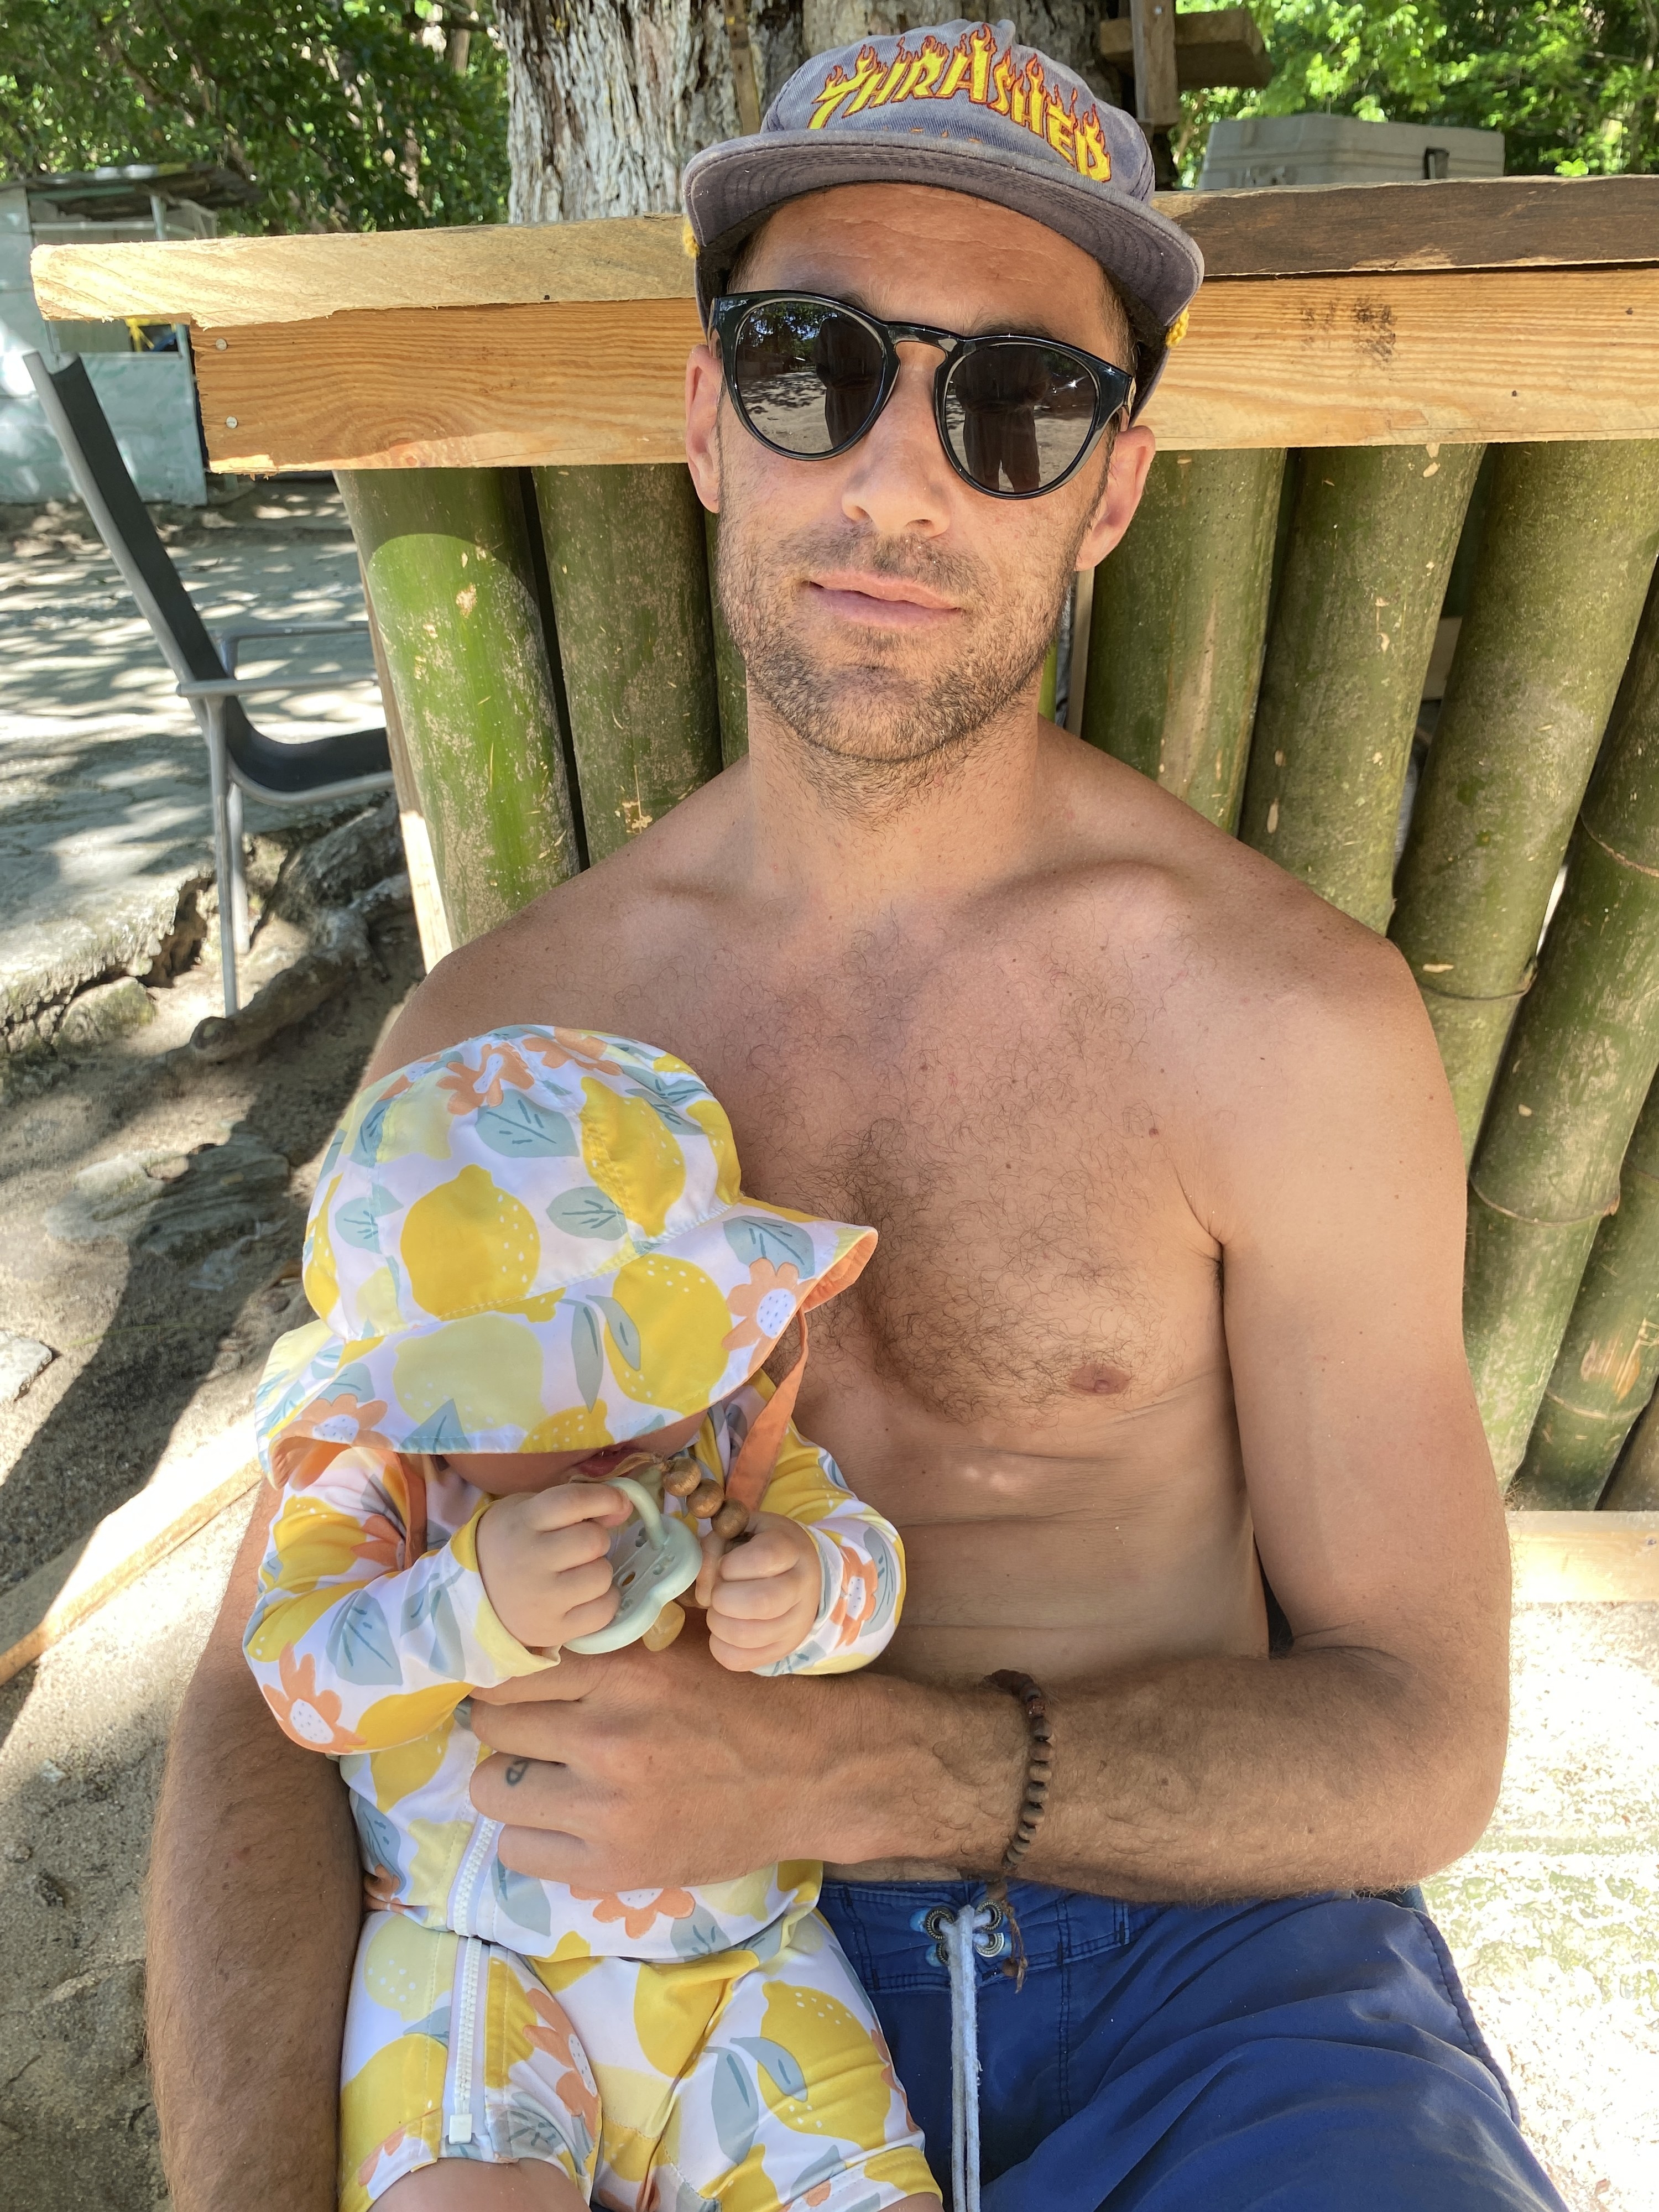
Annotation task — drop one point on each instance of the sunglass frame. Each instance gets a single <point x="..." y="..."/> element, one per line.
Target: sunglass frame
<point x="1114" y="387"/>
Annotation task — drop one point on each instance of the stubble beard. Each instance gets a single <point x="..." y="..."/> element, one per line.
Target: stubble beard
<point x="872" y="734"/>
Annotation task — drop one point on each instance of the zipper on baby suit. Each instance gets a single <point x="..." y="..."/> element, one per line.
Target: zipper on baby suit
<point x="463" y="2031"/>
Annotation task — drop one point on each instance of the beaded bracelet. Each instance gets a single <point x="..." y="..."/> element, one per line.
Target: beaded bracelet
<point x="1039" y="1765"/>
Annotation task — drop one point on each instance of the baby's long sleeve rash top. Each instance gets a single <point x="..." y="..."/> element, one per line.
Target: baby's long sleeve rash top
<point x="372" y="1624"/>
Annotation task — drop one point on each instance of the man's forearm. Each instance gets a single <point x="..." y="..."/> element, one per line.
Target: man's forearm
<point x="253" y="1909"/>
<point x="1191" y="1780"/>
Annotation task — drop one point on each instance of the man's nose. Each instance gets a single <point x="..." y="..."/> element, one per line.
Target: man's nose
<point x="900" y="483"/>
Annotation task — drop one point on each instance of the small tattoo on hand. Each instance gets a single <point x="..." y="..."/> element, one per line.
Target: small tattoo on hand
<point x="516" y="1772"/>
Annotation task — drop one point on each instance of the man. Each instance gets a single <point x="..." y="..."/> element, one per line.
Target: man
<point x="1167" y="1297"/>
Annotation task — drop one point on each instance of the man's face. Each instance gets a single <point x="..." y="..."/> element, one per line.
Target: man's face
<point x="885" y="608"/>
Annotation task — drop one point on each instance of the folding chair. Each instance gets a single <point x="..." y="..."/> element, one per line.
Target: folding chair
<point x="240" y="758"/>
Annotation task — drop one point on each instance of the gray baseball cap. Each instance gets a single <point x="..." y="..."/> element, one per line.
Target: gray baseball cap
<point x="965" y="107"/>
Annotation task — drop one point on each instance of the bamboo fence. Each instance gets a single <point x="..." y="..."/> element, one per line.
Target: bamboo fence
<point x="541" y="576"/>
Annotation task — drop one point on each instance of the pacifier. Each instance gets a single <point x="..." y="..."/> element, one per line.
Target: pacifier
<point x="654" y="1557"/>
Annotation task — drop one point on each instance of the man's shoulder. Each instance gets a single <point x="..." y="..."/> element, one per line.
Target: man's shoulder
<point x="564" y="957"/>
<point x="1241" y="953"/>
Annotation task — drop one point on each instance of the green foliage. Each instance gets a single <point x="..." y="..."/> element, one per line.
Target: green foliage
<point x="345" y="113"/>
<point x="1572" y="84"/>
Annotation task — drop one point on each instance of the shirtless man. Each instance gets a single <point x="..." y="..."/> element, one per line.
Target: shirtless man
<point x="1167" y="1299"/>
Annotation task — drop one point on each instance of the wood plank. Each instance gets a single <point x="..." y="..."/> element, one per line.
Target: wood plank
<point x="226" y="283"/>
<point x="1158" y="94"/>
<point x="1212" y="46"/>
<point x="181" y="1497"/>
<point x="1302" y="361"/>
<point x="1465" y="223"/>
<point x="223" y="282"/>
<point x="1568" y="1558"/>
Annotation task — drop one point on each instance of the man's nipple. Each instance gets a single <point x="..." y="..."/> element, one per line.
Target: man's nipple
<point x="1099" y="1378"/>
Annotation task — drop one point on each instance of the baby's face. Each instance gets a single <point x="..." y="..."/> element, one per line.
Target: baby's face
<point x="500" y="1472"/>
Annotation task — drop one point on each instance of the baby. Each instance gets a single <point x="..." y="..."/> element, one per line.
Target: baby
<point x="534" y="1262"/>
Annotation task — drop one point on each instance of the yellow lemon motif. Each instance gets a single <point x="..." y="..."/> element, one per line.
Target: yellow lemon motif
<point x="321" y="1277"/>
<point x="400" y="1967"/>
<point x="440" y="1846"/>
<point x="848" y="2091"/>
<point x="510" y="2016"/>
<point x="468" y="1244"/>
<point x="630" y="1155"/>
<point x="487" y="1366"/>
<point x="417" y="1120"/>
<point x="681" y="1316"/>
<point x="377" y="1302"/>
<point x="402" y="2085"/>
<point x="748" y="2188"/>
<point x="571" y="1957"/>
<point x="577" y="1429"/>
<point x="407" y="1767"/>
<point x="674" y="2007"/>
<point x="710" y="1117"/>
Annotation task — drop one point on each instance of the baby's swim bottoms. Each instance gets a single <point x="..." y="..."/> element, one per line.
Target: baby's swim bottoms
<point x="729" y="2083"/>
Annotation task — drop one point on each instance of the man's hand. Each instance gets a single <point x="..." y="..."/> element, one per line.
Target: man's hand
<point x="645" y="1769"/>
<point x="543" y="1555"/>
<point x="761" y="1595"/>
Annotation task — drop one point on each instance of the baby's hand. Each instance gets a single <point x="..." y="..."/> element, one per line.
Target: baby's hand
<point x="543" y="1556"/>
<point x="762" y="1595"/>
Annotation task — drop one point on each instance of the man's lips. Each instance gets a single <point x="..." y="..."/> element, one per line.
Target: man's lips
<point x="881" y="601"/>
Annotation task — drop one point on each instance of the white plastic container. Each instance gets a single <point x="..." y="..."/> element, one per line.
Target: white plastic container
<point x="1247" y="150"/>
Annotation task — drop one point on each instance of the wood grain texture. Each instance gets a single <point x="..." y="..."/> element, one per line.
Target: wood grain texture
<point x="179" y="1499"/>
<point x="1470" y="223"/>
<point x="1563" y="1558"/>
<point x="1212" y="45"/>
<point x="1302" y="361"/>
<point x="225" y="283"/>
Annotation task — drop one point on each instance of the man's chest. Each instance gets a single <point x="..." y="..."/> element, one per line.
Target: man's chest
<point x="1036" y="1249"/>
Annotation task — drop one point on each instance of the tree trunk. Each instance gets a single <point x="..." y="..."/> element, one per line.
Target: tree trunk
<point x="1066" y="29"/>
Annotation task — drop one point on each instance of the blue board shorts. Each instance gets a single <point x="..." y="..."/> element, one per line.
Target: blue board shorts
<point x="1311" y="2054"/>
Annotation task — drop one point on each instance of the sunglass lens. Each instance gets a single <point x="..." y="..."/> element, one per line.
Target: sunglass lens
<point x="808" y="375"/>
<point x="1018" y="415"/>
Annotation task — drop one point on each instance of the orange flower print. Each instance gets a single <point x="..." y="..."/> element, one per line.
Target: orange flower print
<point x="856" y="1605"/>
<point x="764" y="1305"/>
<point x="382" y="1544"/>
<point x="472" y="1085"/>
<point x="638" y="1910"/>
<point x="575" y="2086"/>
<point x="393" y="2144"/>
<point x="346" y="1419"/>
<point x="310" y="1716"/>
<point x="380" y="1892"/>
<point x="558" y="1047"/>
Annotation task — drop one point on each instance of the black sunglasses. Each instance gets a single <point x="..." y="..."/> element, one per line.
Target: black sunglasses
<point x="1016" y="415"/>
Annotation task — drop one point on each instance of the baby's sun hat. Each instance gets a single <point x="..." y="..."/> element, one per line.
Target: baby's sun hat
<point x="535" y="1242"/>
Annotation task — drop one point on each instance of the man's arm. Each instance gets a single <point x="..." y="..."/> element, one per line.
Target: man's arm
<point x="1366" y="1757"/>
<point x="255" y="1899"/>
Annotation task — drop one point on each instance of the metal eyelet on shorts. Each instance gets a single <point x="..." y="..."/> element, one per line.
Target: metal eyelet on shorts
<point x="990" y="1940"/>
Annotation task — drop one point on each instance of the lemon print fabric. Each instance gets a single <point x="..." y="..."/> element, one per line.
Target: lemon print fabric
<point x="540" y="1234"/>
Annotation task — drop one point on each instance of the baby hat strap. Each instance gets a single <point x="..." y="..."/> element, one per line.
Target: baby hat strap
<point x="751" y="1470"/>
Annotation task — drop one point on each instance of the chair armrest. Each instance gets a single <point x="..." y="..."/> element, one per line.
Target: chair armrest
<point x="227" y="640"/>
<point x="239" y="687"/>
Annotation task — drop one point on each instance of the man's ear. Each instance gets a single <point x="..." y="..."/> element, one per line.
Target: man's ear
<point x="702" y="404"/>
<point x="1126" y="480"/>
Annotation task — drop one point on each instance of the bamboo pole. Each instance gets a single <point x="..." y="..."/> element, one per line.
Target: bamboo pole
<point x="448" y="567"/>
<point x="1635" y="1484"/>
<point x="1567" y="550"/>
<point x="629" y="578"/>
<point x="1578" y="1065"/>
<point x="1370" y="548"/>
<point x="1609" y="1357"/>
<point x="732" y="683"/>
<point x="1179" y="624"/>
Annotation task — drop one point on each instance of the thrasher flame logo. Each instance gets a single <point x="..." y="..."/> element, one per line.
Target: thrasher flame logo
<point x="989" y="78"/>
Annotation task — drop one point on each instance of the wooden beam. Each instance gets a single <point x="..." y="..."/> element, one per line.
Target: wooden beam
<point x="1474" y="222"/>
<point x="1212" y="46"/>
<point x="1566" y="1558"/>
<point x="181" y="1497"/>
<point x="1158" y="94"/>
<point x="227" y="282"/>
<point x="1311" y="230"/>
<point x="1318" y="361"/>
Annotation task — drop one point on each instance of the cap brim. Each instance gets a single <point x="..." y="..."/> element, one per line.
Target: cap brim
<point x="728" y="187"/>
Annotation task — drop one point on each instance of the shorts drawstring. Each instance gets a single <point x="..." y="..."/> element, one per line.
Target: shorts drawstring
<point x="964" y="1937"/>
